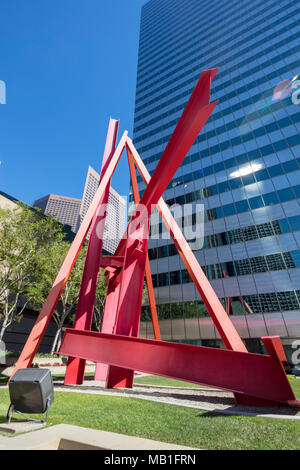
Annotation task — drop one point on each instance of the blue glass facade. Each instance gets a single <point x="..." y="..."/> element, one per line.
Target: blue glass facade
<point x="244" y="166"/>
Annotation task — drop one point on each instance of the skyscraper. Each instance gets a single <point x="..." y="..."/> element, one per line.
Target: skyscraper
<point x="64" y="209"/>
<point x="244" y="166"/>
<point x="116" y="214"/>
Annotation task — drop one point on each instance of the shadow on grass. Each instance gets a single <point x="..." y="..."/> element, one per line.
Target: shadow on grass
<point x="200" y="397"/>
<point x="213" y="414"/>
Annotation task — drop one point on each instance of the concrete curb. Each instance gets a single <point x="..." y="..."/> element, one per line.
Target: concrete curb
<point x="68" y="437"/>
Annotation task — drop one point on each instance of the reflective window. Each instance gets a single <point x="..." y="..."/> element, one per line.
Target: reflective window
<point x="285" y="194"/>
<point x="297" y="190"/>
<point x="235" y="183"/>
<point x="270" y="199"/>
<point x="290" y="165"/>
<point x="256" y="202"/>
<point x="296" y="258"/>
<point x="261" y="175"/>
<point x="175" y="277"/>
<point x="275" y="170"/>
<point x="241" y="206"/>
<point x="163" y="279"/>
<point x="284" y="225"/>
<point x="228" y="210"/>
<point x="294" y="222"/>
<point x="248" y="179"/>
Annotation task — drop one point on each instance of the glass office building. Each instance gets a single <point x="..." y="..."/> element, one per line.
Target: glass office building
<point x="244" y="166"/>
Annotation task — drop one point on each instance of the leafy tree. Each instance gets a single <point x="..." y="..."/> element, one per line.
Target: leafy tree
<point x="99" y="301"/>
<point x="66" y="308"/>
<point x="25" y="236"/>
<point x="32" y="250"/>
<point x="49" y="265"/>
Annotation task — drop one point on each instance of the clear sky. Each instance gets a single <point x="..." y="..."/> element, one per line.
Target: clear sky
<point x="68" y="66"/>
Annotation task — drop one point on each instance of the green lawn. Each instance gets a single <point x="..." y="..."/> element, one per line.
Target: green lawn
<point x="295" y="383"/>
<point x="156" y="380"/>
<point x="168" y="423"/>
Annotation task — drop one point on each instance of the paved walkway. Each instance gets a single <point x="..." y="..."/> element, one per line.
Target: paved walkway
<point x="210" y="400"/>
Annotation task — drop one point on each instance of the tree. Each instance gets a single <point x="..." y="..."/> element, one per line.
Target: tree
<point x="99" y="300"/>
<point x="66" y="307"/>
<point x="49" y="265"/>
<point x="32" y="250"/>
<point x="25" y="236"/>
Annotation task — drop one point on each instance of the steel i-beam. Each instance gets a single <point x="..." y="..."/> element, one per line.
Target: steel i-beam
<point x="85" y="307"/>
<point x="258" y="377"/>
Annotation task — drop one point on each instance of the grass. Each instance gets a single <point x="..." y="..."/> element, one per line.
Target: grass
<point x="295" y="383"/>
<point x="156" y="380"/>
<point x="168" y="423"/>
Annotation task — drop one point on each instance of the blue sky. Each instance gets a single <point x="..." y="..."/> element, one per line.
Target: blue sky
<point x="68" y="66"/>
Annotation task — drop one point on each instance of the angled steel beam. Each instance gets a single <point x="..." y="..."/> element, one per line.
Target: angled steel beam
<point x="39" y="328"/>
<point x="130" y="295"/>
<point x="192" y="120"/>
<point x="214" y="307"/>
<point x="112" y="261"/>
<point x="259" y="377"/>
<point x="152" y="302"/>
<point x="85" y="307"/>
<point x="109" y="319"/>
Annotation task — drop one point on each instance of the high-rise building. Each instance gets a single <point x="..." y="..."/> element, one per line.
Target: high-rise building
<point x="244" y="166"/>
<point x="64" y="209"/>
<point x="116" y="213"/>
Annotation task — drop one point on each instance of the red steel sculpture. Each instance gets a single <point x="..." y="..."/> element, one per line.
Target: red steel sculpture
<point x="255" y="379"/>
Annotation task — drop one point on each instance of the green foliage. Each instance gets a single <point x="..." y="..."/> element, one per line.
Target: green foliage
<point x="48" y="266"/>
<point x="25" y="236"/>
<point x="99" y="301"/>
<point x="189" y="309"/>
<point x="32" y="250"/>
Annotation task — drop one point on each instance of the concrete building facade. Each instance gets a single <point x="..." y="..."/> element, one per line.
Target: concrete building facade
<point x="64" y="209"/>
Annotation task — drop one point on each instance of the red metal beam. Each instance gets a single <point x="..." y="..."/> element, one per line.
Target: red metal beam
<point x="40" y="326"/>
<point x="149" y="282"/>
<point x="251" y="375"/>
<point x="130" y="296"/>
<point x="192" y="120"/>
<point x="112" y="261"/>
<point x="109" y="319"/>
<point x="214" y="307"/>
<point x="194" y="116"/>
<point x="85" y="307"/>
